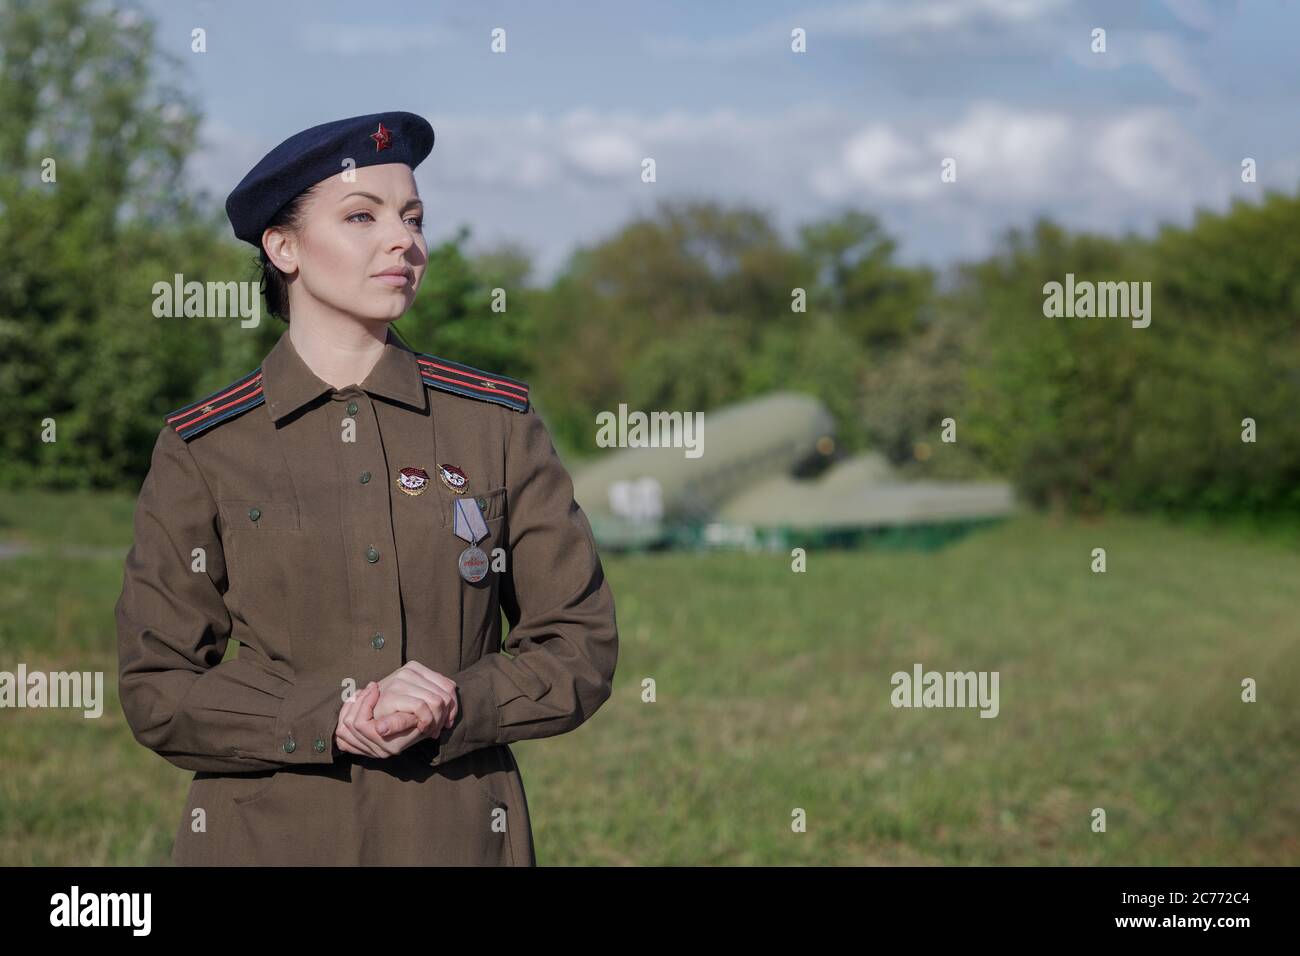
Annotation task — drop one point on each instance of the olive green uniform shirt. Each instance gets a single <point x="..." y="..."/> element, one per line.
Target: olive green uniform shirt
<point x="283" y="526"/>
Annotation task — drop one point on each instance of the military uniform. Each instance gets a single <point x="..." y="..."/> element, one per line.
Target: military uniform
<point x="332" y="562"/>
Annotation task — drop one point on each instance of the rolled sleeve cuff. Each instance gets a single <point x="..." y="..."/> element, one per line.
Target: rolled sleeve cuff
<point x="476" y="720"/>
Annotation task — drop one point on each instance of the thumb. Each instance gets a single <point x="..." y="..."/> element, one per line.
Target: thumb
<point x="398" y="721"/>
<point x="368" y="698"/>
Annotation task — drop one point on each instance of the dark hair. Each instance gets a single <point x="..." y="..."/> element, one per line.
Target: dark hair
<point x="275" y="284"/>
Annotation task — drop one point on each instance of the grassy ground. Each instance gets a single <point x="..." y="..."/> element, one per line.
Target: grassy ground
<point x="1117" y="690"/>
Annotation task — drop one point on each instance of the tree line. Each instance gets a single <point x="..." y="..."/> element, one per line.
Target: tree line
<point x="690" y="307"/>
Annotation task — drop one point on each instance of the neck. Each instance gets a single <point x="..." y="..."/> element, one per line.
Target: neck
<point x="340" y="351"/>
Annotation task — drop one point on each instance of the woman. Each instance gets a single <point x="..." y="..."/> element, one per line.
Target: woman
<point x="356" y="515"/>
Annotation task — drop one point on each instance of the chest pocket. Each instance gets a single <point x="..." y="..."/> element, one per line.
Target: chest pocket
<point x="491" y="504"/>
<point x="263" y="539"/>
<point x="258" y="514"/>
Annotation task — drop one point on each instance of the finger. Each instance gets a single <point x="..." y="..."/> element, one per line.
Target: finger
<point x="365" y="725"/>
<point x="402" y="706"/>
<point x="413" y="673"/>
<point x="355" y="744"/>
<point x="368" y="731"/>
<point x="395" y="745"/>
<point x="445" y="683"/>
<point x="444" y="708"/>
<point x="366" y="705"/>
<point x="344" y="744"/>
<point x="348" y="730"/>
<point x="363" y="743"/>
<point x="391" y="713"/>
<point x="435" y="698"/>
<point x="351" y="723"/>
<point x="397" y="722"/>
<point x="404" y="724"/>
<point x="356" y="693"/>
<point x="410" y="686"/>
<point x="432" y="676"/>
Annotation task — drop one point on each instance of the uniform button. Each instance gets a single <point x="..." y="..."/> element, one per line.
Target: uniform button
<point x="377" y="642"/>
<point x="352" y="408"/>
<point x="319" y="746"/>
<point x="371" y="554"/>
<point x="482" y="504"/>
<point x="255" y="513"/>
<point x="290" y="746"/>
<point x="365" y="477"/>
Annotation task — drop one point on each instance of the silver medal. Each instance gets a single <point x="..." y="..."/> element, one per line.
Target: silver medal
<point x="473" y="564"/>
<point x="468" y="525"/>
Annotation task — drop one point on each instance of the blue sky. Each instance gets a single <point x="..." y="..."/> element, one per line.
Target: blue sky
<point x="542" y="145"/>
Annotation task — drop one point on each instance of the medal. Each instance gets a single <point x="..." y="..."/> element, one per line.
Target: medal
<point x="468" y="524"/>
<point x="413" y="481"/>
<point x="453" y="478"/>
<point x="473" y="564"/>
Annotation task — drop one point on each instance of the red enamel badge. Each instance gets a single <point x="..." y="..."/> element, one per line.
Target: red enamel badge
<point x="412" y="480"/>
<point x="453" y="478"/>
<point x="383" y="138"/>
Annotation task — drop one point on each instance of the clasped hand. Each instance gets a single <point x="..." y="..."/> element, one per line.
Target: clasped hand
<point x="411" y="703"/>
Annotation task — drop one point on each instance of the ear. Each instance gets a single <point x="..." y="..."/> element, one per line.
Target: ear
<point x="282" y="249"/>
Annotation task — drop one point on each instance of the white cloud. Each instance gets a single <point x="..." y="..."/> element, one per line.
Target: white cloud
<point x="868" y="18"/>
<point x="1162" y="53"/>
<point x="603" y="153"/>
<point x="1012" y="157"/>
<point x="883" y="17"/>
<point x="1147" y="156"/>
<point x="1017" y="152"/>
<point x="553" y="180"/>
<point x="1170" y="60"/>
<point x="883" y="161"/>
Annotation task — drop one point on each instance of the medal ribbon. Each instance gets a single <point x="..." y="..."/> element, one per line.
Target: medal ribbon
<point x="468" y="521"/>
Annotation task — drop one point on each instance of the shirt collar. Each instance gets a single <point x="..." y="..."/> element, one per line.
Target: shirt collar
<point x="289" y="383"/>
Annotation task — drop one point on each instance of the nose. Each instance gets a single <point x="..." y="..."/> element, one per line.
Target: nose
<point x="399" y="237"/>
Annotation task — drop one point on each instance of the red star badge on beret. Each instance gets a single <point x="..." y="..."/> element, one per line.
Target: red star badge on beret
<point x="383" y="138"/>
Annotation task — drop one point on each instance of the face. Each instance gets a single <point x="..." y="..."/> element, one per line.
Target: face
<point x="360" y="249"/>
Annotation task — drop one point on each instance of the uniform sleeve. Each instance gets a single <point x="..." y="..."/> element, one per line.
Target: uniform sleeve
<point x="180" y="699"/>
<point x="563" y="637"/>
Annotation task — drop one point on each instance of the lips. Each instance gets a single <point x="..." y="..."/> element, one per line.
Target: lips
<point x="396" y="276"/>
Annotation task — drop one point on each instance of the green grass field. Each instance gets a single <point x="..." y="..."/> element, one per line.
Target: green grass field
<point x="1117" y="690"/>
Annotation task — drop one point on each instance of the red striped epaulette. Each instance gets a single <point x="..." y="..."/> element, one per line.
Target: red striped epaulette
<point x="472" y="382"/>
<point x="226" y="402"/>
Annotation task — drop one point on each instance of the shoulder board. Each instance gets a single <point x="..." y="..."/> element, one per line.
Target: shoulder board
<point x="225" y="403"/>
<point x="472" y="382"/>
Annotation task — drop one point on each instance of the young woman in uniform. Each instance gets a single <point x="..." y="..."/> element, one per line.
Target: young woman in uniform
<point x="356" y="515"/>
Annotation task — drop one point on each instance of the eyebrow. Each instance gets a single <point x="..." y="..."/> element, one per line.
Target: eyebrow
<point x="371" y="196"/>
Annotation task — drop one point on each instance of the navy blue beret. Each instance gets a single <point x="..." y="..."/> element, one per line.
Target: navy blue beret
<point x="315" y="154"/>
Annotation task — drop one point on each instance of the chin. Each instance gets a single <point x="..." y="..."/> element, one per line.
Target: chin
<point x="394" y="307"/>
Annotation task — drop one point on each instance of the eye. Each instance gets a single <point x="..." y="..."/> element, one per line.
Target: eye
<point x="419" y="221"/>
<point x="355" y="214"/>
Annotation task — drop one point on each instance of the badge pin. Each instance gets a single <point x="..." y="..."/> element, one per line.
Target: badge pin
<point x="453" y="478"/>
<point x="412" y="480"/>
